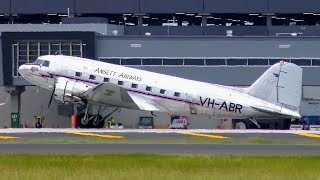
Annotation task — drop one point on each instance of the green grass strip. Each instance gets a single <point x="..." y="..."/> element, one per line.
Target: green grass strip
<point x="149" y="166"/>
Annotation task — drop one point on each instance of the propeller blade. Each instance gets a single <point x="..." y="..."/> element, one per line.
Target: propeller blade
<point x="50" y="99"/>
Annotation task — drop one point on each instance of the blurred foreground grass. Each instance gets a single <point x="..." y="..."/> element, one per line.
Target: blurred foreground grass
<point x="149" y="166"/>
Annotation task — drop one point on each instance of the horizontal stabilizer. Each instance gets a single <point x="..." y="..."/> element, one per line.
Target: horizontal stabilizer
<point x="281" y="111"/>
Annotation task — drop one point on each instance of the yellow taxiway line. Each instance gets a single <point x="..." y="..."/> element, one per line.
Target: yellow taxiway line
<point x="203" y="135"/>
<point x="96" y="135"/>
<point x="308" y="134"/>
<point x="8" y="137"/>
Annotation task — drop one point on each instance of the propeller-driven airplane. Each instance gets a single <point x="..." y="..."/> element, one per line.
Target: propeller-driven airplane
<point x="97" y="85"/>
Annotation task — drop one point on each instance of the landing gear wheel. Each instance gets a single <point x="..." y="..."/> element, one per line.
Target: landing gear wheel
<point x="97" y="122"/>
<point x="81" y="123"/>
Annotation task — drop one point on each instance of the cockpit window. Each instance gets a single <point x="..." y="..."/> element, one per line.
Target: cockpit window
<point x="41" y="62"/>
<point x="46" y="63"/>
<point x="38" y="62"/>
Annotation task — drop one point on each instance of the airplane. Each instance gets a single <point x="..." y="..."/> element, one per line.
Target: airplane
<point x="96" y="86"/>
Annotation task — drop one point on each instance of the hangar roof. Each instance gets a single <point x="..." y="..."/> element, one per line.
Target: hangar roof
<point x="156" y="6"/>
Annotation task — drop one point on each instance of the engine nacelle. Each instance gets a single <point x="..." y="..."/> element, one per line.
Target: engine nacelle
<point x="67" y="90"/>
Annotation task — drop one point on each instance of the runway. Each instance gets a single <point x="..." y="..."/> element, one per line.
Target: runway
<point x="209" y="149"/>
<point x="210" y="142"/>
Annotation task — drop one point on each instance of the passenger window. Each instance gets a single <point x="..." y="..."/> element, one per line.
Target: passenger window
<point x="120" y="83"/>
<point x="106" y="80"/>
<point x="148" y="88"/>
<point x="162" y="91"/>
<point x="92" y="77"/>
<point x="78" y="74"/>
<point x="177" y="94"/>
<point x="134" y="85"/>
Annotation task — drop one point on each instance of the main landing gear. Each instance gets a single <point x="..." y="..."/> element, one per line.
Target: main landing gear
<point x="86" y="120"/>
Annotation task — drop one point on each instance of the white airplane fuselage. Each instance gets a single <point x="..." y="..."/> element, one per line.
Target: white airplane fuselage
<point x="173" y="94"/>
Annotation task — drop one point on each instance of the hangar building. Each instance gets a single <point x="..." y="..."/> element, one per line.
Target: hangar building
<point x="224" y="42"/>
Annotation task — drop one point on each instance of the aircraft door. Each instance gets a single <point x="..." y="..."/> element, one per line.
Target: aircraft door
<point x="191" y="106"/>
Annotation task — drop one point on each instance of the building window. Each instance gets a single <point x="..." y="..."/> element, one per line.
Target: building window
<point x="134" y="85"/>
<point x="148" y="88"/>
<point x="236" y="62"/>
<point x="111" y="61"/>
<point x="301" y="62"/>
<point x="315" y="62"/>
<point x="120" y="83"/>
<point x="194" y="62"/>
<point x="173" y="62"/>
<point x="177" y="94"/>
<point x="253" y="62"/>
<point x="130" y="61"/>
<point x="162" y="91"/>
<point x="78" y="74"/>
<point x="92" y="77"/>
<point x="151" y="61"/>
<point x="105" y="79"/>
<point x="215" y="62"/>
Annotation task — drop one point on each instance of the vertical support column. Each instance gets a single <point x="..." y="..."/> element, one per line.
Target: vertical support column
<point x="140" y="23"/>
<point x="140" y="20"/>
<point x="15" y="108"/>
<point x="204" y="20"/>
<point x="269" y="23"/>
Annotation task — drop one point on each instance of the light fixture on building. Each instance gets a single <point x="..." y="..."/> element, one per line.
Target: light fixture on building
<point x="229" y="33"/>
<point x="115" y="32"/>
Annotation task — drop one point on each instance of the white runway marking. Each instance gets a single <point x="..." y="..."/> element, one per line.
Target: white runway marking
<point x="68" y="130"/>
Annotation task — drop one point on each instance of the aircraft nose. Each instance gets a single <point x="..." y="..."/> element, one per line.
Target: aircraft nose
<point x="22" y="69"/>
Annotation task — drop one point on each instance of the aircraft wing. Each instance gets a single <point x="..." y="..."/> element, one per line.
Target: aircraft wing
<point x="113" y="95"/>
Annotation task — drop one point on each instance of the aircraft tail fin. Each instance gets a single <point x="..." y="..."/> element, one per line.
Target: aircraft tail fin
<point x="280" y="84"/>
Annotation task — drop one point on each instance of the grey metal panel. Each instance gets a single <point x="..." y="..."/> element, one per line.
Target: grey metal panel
<point x="154" y="30"/>
<point x="240" y="76"/>
<point x="209" y="46"/>
<point x="131" y="30"/>
<point x="232" y="6"/>
<point x="302" y="30"/>
<point x="233" y="76"/>
<point x="41" y="6"/>
<point x="310" y="76"/>
<point x="186" y="31"/>
<point x="107" y="6"/>
<point x="84" y="20"/>
<point x="105" y="29"/>
<point x="237" y="30"/>
<point x="311" y="92"/>
<point x="294" y="6"/>
<point x="4" y="6"/>
<point x="171" y="6"/>
<point x="20" y="81"/>
<point x="1" y="65"/>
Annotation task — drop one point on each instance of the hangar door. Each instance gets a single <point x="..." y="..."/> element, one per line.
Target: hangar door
<point x="27" y="51"/>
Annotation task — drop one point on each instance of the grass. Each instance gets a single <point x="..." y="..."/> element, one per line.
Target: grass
<point x="149" y="167"/>
<point x="184" y="140"/>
